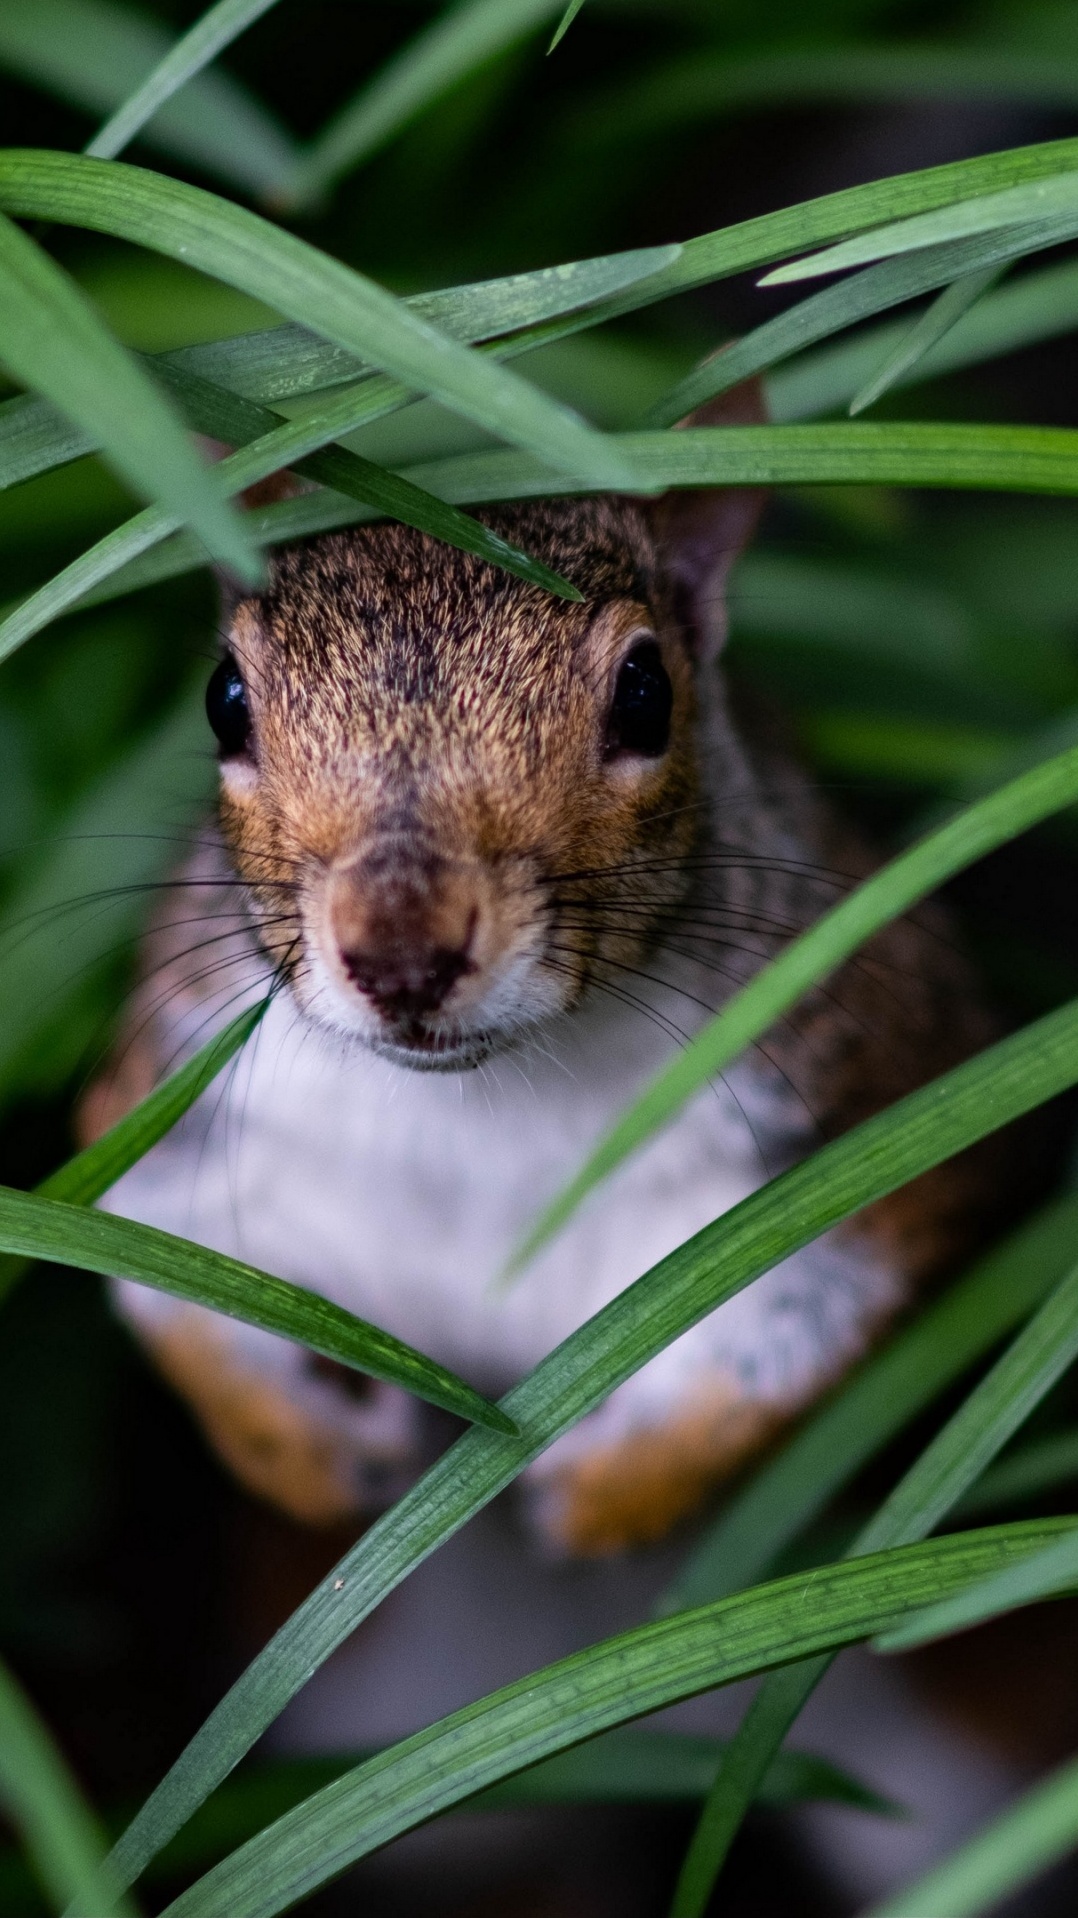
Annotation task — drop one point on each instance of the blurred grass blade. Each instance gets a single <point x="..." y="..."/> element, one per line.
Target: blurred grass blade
<point x="878" y="1156"/>
<point x="218" y="27"/>
<point x="284" y="361"/>
<point x="1016" y="1847"/>
<point x="40" y="1228"/>
<point x="43" y="1803"/>
<point x="1013" y="206"/>
<point x="956" y="1457"/>
<point x="1045" y="1575"/>
<point x="853" y="300"/>
<point x="640" y="1671"/>
<point x="892" y="1388"/>
<point x="945" y="311"/>
<point x="94" y="53"/>
<point x="1039" y="306"/>
<point x="215" y="410"/>
<point x="245" y="251"/>
<point x="51" y="339"/>
<point x="91" y="1172"/>
<point x="565" y="23"/>
<point x="457" y="43"/>
<point x="811" y="958"/>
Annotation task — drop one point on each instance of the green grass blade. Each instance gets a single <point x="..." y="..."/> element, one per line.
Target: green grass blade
<point x="887" y="284"/>
<point x="218" y="27"/>
<point x="1013" y="206"/>
<point x="457" y="43"/>
<point x="945" y="311"/>
<point x="1045" y="1575"/>
<point x="565" y="23"/>
<point x="956" y="1457"/>
<point x="885" y="1394"/>
<point x="1039" y="306"/>
<point x="92" y="1171"/>
<point x="42" y="1801"/>
<point x="215" y="410"/>
<point x="1030" y="1836"/>
<point x="53" y="341"/>
<point x="237" y="246"/>
<point x="811" y="958"/>
<point x="41" y="1228"/>
<point x="792" y="1210"/>
<point x="640" y="1671"/>
<point x="94" y="53"/>
<point x="283" y="361"/>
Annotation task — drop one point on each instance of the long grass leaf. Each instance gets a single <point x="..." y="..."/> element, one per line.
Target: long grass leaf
<point x="811" y="958"/>
<point x="878" y="287"/>
<point x="94" y="53"/>
<point x="42" y="1801"/>
<point x="218" y="27"/>
<point x="846" y="1175"/>
<point x="457" y="43"/>
<point x="640" y="1671"/>
<point x="215" y="410"/>
<point x="305" y="285"/>
<point x="1045" y="1575"/>
<point x="92" y="1171"/>
<point x="565" y="23"/>
<point x="1016" y="1847"/>
<point x="51" y="339"/>
<point x="956" y="1457"/>
<point x="889" y="1390"/>
<point x="1013" y="206"/>
<point x="926" y="331"/>
<point x="49" y="1229"/>
<point x="1026" y="1474"/>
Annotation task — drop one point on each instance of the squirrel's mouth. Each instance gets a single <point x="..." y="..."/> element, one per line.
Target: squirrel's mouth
<point x="435" y="1051"/>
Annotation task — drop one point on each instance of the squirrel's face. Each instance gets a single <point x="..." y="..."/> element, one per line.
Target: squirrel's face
<point x="454" y="801"/>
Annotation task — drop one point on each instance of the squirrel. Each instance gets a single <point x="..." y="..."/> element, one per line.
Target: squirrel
<point x="499" y="854"/>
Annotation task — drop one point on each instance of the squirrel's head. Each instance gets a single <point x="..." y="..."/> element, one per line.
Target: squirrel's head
<point x="454" y="799"/>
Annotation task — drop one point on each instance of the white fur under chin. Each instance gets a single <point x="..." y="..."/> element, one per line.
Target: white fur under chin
<point x="401" y="1194"/>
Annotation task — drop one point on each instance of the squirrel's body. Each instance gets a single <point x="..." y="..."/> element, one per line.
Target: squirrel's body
<point x="527" y="843"/>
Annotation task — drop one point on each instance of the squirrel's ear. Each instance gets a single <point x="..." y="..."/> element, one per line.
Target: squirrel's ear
<point x="699" y="533"/>
<point x="277" y="486"/>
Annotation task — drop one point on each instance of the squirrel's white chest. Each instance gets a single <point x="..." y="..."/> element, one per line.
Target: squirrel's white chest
<point x="402" y="1194"/>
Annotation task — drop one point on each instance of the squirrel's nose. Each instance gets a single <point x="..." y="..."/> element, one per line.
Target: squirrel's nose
<point x="404" y="983"/>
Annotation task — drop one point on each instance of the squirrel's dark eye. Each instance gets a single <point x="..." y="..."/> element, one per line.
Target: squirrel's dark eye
<point x="226" y="707"/>
<point x="639" y="719"/>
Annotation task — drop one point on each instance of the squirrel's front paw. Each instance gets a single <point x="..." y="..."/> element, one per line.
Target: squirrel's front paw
<point x="601" y="1490"/>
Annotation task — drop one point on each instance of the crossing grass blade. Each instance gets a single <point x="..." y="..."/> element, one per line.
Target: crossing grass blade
<point x="565" y="23"/>
<point x="1046" y="1575"/>
<point x="853" y="300"/>
<point x="945" y="311"/>
<point x="1026" y="1474"/>
<point x="1013" y="206"/>
<point x="1016" y="1847"/>
<point x="890" y="1390"/>
<point x="638" y="1672"/>
<point x="40" y="1228"/>
<point x="94" y="53"/>
<point x="92" y="1171"/>
<point x="51" y="340"/>
<point x="956" y="1457"/>
<point x="213" y="409"/>
<point x="457" y="43"/>
<point x="1039" y="306"/>
<point x="218" y="27"/>
<point x="844" y="1176"/>
<point x="811" y="958"/>
<point x="309" y="287"/>
<point x="285" y="361"/>
<point x="43" y="1803"/>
